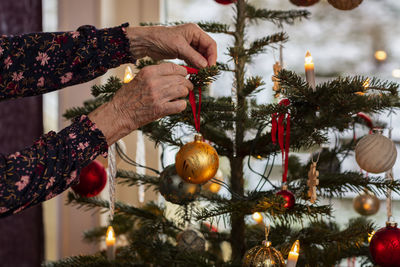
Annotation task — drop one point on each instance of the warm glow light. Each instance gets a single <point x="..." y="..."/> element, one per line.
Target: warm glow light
<point x="257" y="217"/>
<point x="308" y="59"/>
<point x="110" y="239"/>
<point x="296" y="247"/>
<point x="214" y="187"/>
<point x="370" y="235"/>
<point x="366" y="83"/>
<point x="128" y="75"/>
<point x="259" y="157"/>
<point x="380" y="55"/>
<point x="396" y="73"/>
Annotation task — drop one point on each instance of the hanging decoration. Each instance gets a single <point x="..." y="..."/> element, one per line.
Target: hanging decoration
<point x="225" y="2"/>
<point x="385" y="246"/>
<point x="92" y="180"/>
<point x="141" y="160"/>
<point x="196" y="162"/>
<point x="366" y="203"/>
<point x="375" y="153"/>
<point x="288" y="196"/>
<point x="191" y="240"/>
<point x="304" y="2"/>
<point x="174" y="189"/>
<point x="263" y="255"/>
<point x="313" y="181"/>
<point x="277" y="67"/>
<point x="345" y="4"/>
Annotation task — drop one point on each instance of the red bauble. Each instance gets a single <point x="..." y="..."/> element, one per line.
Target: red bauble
<point x="304" y="2"/>
<point x="385" y="246"/>
<point x="92" y="180"/>
<point x="289" y="198"/>
<point x="225" y="2"/>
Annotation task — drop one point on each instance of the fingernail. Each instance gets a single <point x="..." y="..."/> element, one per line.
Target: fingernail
<point x="203" y="63"/>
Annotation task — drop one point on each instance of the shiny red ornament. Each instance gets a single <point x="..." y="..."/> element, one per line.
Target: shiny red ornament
<point x="304" y="2"/>
<point x="225" y="2"/>
<point x="92" y="180"/>
<point x="289" y="198"/>
<point x="385" y="246"/>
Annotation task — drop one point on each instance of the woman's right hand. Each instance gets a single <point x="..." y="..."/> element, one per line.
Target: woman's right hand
<point x="155" y="92"/>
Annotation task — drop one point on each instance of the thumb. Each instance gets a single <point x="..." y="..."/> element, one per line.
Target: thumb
<point x="191" y="56"/>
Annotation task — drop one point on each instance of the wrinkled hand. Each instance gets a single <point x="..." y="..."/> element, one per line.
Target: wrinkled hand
<point x="187" y="42"/>
<point x="152" y="94"/>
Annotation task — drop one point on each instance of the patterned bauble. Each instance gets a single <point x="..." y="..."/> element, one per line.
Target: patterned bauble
<point x="385" y="246"/>
<point x="376" y="153"/>
<point x="174" y="189"/>
<point x="263" y="256"/>
<point x="191" y="240"/>
<point x="92" y="180"/>
<point x="225" y="2"/>
<point x="197" y="162"/>
<point x="288" y="197"/>
<point x="214" y="186"/>
<point x="366" y="203"/>
<point x="345" y="4"/>
<point x="304" y="2"/>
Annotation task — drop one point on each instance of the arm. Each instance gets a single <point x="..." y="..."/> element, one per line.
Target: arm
<point x="38" y="63"/>
<point x="49" y="167"/>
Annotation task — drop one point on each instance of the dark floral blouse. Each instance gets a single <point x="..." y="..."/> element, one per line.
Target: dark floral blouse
<point x="38" y="63"/>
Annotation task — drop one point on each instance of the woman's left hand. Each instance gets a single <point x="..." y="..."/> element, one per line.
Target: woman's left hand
<point x="187" y="42"/>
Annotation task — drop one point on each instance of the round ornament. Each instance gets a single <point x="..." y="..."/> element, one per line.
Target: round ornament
<point x="225" y="2"/>
<point x="176" y="190"/>
<point x="304" y="2"/>
<point x="263" y="256"/>
<point x="197" y="162"/>
<point x="213" y="187"/>
<point x="366" y="203"/>
<point x="385" y="246"/>
<point x="191" y="240"/>
<point x="376" y="153"/>
<point x="92" y="180"/>
<point x="288" y="197"/>
<point x="345" y="4"/>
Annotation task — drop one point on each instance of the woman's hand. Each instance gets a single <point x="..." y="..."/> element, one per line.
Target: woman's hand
<point x="187" y="42"/>
<point x="152" y="94"/>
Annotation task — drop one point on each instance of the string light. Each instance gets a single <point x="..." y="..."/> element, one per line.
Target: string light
<point x="380" y="55"/>
<point x="128" y="75"/>
<point x="110" y="243"/>
<point x="396" y="73"/>
<point x="293" y="254"/>
<point x="257" y="217"/>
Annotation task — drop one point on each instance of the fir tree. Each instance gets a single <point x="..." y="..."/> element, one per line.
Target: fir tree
<point x="332" y="105"/>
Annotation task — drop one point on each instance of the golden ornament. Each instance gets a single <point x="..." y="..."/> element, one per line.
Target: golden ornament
<point x="345" y="4"/>
<point x="366" y="203"/>
<point x="197" y="162"/>
<point x="375" y="153"/>
<point x="312" y="182"/>
<point x="214" y="186"/>
<point x="263" y="256"/>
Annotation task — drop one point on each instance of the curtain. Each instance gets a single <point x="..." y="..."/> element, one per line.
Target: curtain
<point x="21" y="235"/>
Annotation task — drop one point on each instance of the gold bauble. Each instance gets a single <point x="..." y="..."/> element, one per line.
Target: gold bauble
<point x="263" y="256"/>
<point x="376" y="153"/>
<point x="197" y="162"/>
<point x="366" y="203"/>
<point x="345" y="4"/>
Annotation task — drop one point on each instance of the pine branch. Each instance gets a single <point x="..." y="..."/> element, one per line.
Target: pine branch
<point x="208" y="26"/>
<point x="253" y="85"/>
<point x="258" y="46"/>
<point x="88" y="106"/>
<point x="131" y="178"/>
<point x="276" y="17"/>
<point x="107" y="91"/>
<point x="144" y="62"/>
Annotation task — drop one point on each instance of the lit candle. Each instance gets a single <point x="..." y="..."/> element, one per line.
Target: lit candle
<point x="293" y="254"/>
<point x="309" y="66"/>
<point x="128" y="75"/>
<point x="110" y="243"/>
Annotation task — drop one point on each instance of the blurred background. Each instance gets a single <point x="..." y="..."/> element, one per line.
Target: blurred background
<point x="364" y="41"/>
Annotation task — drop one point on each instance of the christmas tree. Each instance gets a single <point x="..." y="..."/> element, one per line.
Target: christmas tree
<point x="241" y="129"/>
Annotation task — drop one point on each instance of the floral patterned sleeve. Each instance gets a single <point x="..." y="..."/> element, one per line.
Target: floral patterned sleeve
<point x="49" y="167"/>
<point x="33" y="64"/>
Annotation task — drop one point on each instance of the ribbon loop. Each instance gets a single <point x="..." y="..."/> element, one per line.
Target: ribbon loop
<point x="284" y="143"/>
<point x="192" y="100"/>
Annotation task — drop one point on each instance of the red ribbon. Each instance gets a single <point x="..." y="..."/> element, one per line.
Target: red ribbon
<point x="192" y="100"/>
<point x="278" y="125"/>
<point x="367" y="120"/>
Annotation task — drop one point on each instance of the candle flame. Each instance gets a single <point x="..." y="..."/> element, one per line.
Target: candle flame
<point x="257" y="217"/>
<point x="308" y="59"/>
<point x="370" y="235"/>
<point x="128" y="75"/>
<point x="110" y="236"/>
<point x="296" y="247"/>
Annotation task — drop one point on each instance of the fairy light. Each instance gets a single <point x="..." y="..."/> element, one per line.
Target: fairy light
<point x="257" y="217"/>
<point x="128" y="75"/>
<point x="380" y="55"/>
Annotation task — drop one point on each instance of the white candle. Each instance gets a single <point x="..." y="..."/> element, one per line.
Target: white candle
<point x="309" y="66"/>
<point x="293" y="254"/>
<point x="110" y="243"/>
<point x="128" y="75"/>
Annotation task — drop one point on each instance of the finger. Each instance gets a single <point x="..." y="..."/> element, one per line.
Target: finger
<point x="207" y="44"/>
<point x="191" y="56"/>
<point x="174" y="80"/>
<point x="176" y="106"/>
<point x="170" y="69"/>
<point x="173" y="93"/>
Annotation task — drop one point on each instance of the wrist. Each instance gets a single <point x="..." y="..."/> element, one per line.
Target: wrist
<point x="139" y="41"/>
